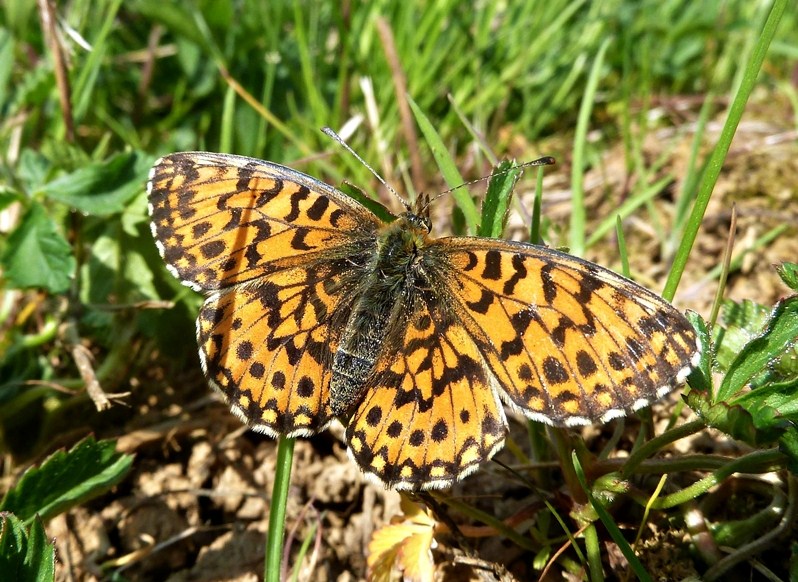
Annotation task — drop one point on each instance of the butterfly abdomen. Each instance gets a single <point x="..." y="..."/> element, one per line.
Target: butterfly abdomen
<point x="390" y="278"/>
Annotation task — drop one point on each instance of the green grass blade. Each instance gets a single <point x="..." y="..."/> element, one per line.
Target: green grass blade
<point x="622" y="246"/>
<point x="534" y="229"/>
<point x="609" y="523"/>
<point x="719" y="154"/>
<point x="274" y="537"/>
<point x="577" y="236"/>
<point x="448" y="167"/>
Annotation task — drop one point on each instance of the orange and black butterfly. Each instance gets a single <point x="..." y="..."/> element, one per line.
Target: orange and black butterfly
<point x="317" y="309"/>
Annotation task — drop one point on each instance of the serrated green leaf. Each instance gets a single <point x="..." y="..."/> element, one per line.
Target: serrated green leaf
<point x="32" y="169"/>
<point x="742" y="322"/>
<point x="789" y="274"/>
<point x="497" y="200"/>
<point x="747" y="314"/>
<point x="25" y="556"/>
<point x="36" y="255"/>
<point x="13" y="546"/>
<point x="66" y="479"/>
<point x="101" y="188"/>
<point x="782" y="397"/>
<point x="780" y="334"/>
<point x="40" y="557"/>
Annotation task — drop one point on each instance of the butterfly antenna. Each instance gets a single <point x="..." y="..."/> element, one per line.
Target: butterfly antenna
<point x="544" y="161"/>
<point x="331" y="133"/>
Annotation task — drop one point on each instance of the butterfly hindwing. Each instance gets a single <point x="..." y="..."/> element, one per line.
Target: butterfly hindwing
<point x="431" y="412"/>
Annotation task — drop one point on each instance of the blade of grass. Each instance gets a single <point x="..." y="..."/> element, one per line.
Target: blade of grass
<point x="228" y="115"/>
<point x="692" y="174"/>
<point x="622" y="246"/>
<point x="577" y="234"/>
<point x="448" y="167"/>
<point x="593" y="553"/>
<point x="274" y="537"/>
<point x="609" y="523"/>
<point x="722" y="148"/>
<point x="534" y="228"/>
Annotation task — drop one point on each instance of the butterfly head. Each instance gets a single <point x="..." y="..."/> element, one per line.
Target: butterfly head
<point x="416" y="222"/>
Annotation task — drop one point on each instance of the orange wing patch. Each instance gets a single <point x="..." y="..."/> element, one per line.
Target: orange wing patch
<point x="432" y="412"/>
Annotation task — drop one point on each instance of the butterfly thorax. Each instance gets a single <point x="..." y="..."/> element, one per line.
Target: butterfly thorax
<point x="390" y="279"/>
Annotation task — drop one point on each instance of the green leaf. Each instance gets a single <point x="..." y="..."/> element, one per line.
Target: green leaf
<point x="25" y="556"/>
<point x="780" y="334"/>
<point x="737" y="421"/>
<point x="32" y="169"/>
<point x="742" y="322"/>
<point x="66" y="479"/>
<point x="781" y="397"/>
<point x="118" y="267"/>
<point x="789" y="274"/>
<point x="497" y="199"/>
<point x="101" y="188"/>
<point x="354" y="192"/>
<point x="701" y="377"/>
<point x="36" y="255"/>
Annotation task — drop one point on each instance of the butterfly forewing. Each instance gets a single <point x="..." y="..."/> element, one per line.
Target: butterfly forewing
<point x="220" y="220"/>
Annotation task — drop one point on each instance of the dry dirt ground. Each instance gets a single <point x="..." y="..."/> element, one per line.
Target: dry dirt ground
<point x="196" y="503"/>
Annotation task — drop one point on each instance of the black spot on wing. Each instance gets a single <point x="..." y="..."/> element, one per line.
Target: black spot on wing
<point x="554" y="371"/>
<point x="585" y="364"/>
<point x="493" y="265"/>
<point x="484" y="302"/>
<point x="519" y="274"/>
<point x="212" y="249"/>
<point x="549" y="286"/>
<point x="318" y="208"/>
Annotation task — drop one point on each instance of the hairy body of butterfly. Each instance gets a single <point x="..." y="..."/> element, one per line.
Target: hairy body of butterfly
<point x="317" y="309"/>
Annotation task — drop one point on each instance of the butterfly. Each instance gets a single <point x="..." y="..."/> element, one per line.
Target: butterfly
<point x="317" y="309"/>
